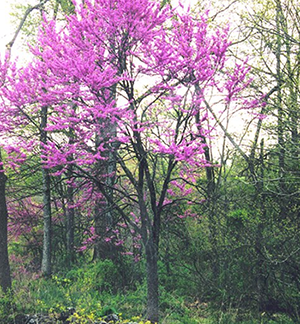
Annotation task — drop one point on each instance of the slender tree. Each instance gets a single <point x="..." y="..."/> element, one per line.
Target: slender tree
<point x="5" y="280"/>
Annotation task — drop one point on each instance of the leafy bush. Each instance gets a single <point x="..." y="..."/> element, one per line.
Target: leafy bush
<point x="6" y="306"/>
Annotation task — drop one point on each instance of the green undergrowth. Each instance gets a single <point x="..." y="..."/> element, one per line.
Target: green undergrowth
<point x="90" y="290"/>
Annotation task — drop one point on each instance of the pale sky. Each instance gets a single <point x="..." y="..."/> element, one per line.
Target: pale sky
<point x="6" y="31"/>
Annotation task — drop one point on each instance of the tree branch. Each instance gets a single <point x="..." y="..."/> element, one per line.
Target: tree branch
<point x="22" y="22"/>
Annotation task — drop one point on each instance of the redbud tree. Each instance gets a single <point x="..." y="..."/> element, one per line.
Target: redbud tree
<point x="124" y="86"/>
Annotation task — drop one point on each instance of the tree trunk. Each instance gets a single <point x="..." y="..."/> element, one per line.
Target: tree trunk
<point x="5" y="279"/>
<point x="70" y="224"/>
<point x="280" y="118"/>
<point x="46" y="259"/>
<point x="259" y="239"/>
<point x="70" y="218"/>
<point x="152" y="282"/>
<point x="102" y="249"/>
<point x="104" y="217"/>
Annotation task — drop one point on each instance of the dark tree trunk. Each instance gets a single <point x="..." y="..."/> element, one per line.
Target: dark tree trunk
<point x="70" y="218"/>
<point x="259" y="240"/>
<point x="102" y="249"/>
<point x="104" y="217"/>
<point x="5" y="279"/>
<point x="152" y="282"/>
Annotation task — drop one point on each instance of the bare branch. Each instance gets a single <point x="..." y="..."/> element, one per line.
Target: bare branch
<point x="231" y="139"/>
<point x="22" y="22"/>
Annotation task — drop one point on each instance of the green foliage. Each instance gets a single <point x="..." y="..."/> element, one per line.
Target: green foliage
<point x="83" y="288"/>
<point x="87" y="289"/>
<point x="7" y="304"/>
<point x="67" y="6"/>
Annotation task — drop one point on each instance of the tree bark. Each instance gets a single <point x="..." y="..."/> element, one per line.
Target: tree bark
<point x="152" y="281"/>
<point x="70" y="218"/>
<point x="106" y="170"/>
<point x="46" y="259"/>
<point x="259" y="239"/>
<point x="280" y="118"/>
<point x="5" y="279"/>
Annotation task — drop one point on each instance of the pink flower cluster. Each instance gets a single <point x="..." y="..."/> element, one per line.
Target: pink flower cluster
<point x="119" y="77"/>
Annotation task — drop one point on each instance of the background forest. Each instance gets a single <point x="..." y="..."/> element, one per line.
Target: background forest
<point x="150" y="163"/>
